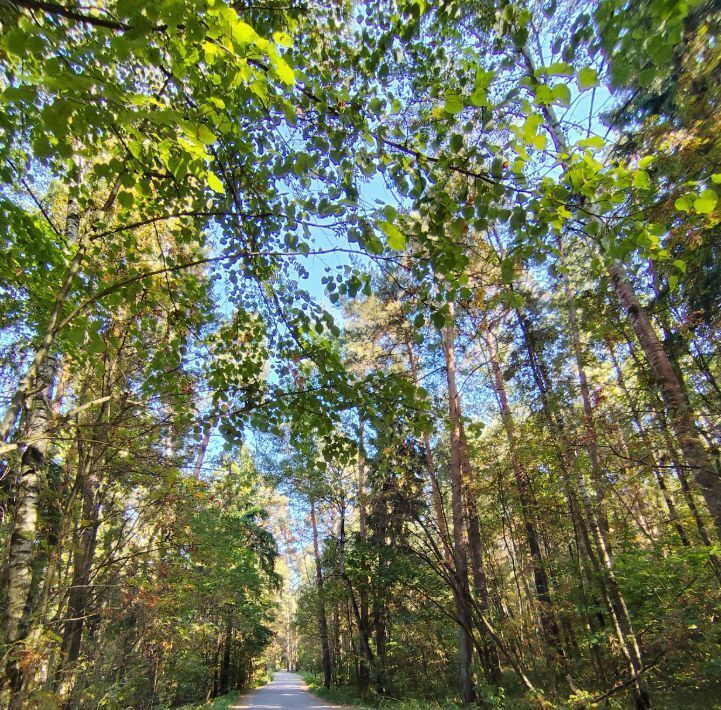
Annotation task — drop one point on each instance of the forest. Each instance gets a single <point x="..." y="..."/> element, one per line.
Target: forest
<point x="377" y="341"/>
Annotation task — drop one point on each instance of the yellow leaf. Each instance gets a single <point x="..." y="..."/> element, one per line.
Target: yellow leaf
<point x="284" y="72"/>
<point x="215" y="183"/>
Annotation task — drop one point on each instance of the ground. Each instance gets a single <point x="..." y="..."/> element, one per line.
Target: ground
<point x="286" y="690"/>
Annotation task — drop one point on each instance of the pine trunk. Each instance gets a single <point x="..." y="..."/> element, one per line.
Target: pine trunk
<point x="364" y="667"/>
<point x="461" y="591"/>
<point x="530" y="525"/>
<point x="681" y="415"/>
<point x="322" y="619"/>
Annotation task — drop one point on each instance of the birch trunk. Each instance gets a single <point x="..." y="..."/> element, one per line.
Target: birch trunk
<point x="23" y="538"/>
<point x="28" y="381"/>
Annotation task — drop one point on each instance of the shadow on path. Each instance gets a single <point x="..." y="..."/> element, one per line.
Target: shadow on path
<point x="286" y="690"/>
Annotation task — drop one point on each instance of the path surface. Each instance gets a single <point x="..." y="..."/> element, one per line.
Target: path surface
<point x="286" y="690"/>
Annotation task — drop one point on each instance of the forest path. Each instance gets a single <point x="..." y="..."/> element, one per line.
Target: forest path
<point x="286" y="690"/>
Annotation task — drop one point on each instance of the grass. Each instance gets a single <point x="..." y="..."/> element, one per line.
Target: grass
<point x="263" y="679"/>
<point x="702" y="699"/>
<point x="226" y="701"/>
<point x="698" y="699"/>
<point x="349" y="696"/>
<point x="221" y="703"/>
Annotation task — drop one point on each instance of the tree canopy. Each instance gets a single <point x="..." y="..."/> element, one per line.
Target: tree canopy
<point x="376" y="340"/>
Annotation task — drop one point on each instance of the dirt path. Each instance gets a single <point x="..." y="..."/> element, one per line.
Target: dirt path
<point x="287" y="690"/>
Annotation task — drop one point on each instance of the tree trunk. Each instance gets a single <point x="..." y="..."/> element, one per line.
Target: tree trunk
<point x="617" y="608"/>
<point x="601" y="560"/>
<point x="322" y="619"/>
<point x="540" y="576"/>
<point x="491" y="660"/>
<point x="364" y="667"/>
<point x="83" y="556"/>
<point x="591" y="438"/>
<point x="33" y="373"/>
<point x="681" y="415"/>
<point x="436" y="498"/>
<point x="615" y="601"/>
<point x="651" y="461"/>
<point x="361" y="617"/>
<point x="461" y="591"/>
<point x="556" y="428"/>
<point x="683" y="418"/>
<point x="23" y="537"/>
<point x="39" y="377"/>
<point x="661" y="425"/>
<point x="200" y="456"/>
<point x="224" y="675"/>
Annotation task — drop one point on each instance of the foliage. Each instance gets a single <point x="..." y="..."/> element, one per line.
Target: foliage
<point x="372" y="339"/>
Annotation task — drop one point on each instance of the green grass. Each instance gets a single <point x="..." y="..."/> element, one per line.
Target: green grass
<point x="704" y="698"/>
<point x="263" y="679"/>
<point x="225" y="701"/>
<point x="221" y="703"/>
<point x="349" y="696"/>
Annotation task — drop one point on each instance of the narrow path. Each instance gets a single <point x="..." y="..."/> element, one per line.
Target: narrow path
<point x="286" y="690"/>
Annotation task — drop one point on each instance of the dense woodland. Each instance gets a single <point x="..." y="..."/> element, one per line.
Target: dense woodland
<point x="377" y="340"/>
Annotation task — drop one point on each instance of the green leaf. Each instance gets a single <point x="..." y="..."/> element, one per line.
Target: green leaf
<point x="396" y="238"/>
<point x="439" y="320"/>
<point x="454" y="104"/>
<point x="716" y="178"/>
<point x="243" y="32"/>
<point x="620" y="71"/>
<point x="284" y="72"/>
<point x="587" y="78"/>
<point x="683" y="204"/>
<point x="562" y="94"/>
<point x="508" y="270"/>
<point x="560" y="69"/>
<point x="456" y="142"/>
<point x="479" y="98"/>
<point x="282" y="39"/>
<point x="389" y="212"/>
<point x="591" y="142"/>
<point x="641" y="180"/>
<point x="543" y="94"/>
<point x="215" y="183"/>
<point x="706" y="202"/>
<point x="483" y="79"/>
<point x="135" y="148"/>
<point x="680" y="265"/>
<point x="205" y="135"/>
<point x="15" y="42"/>
<point x="539" y="141"/>
<point x="126" y="199"/>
